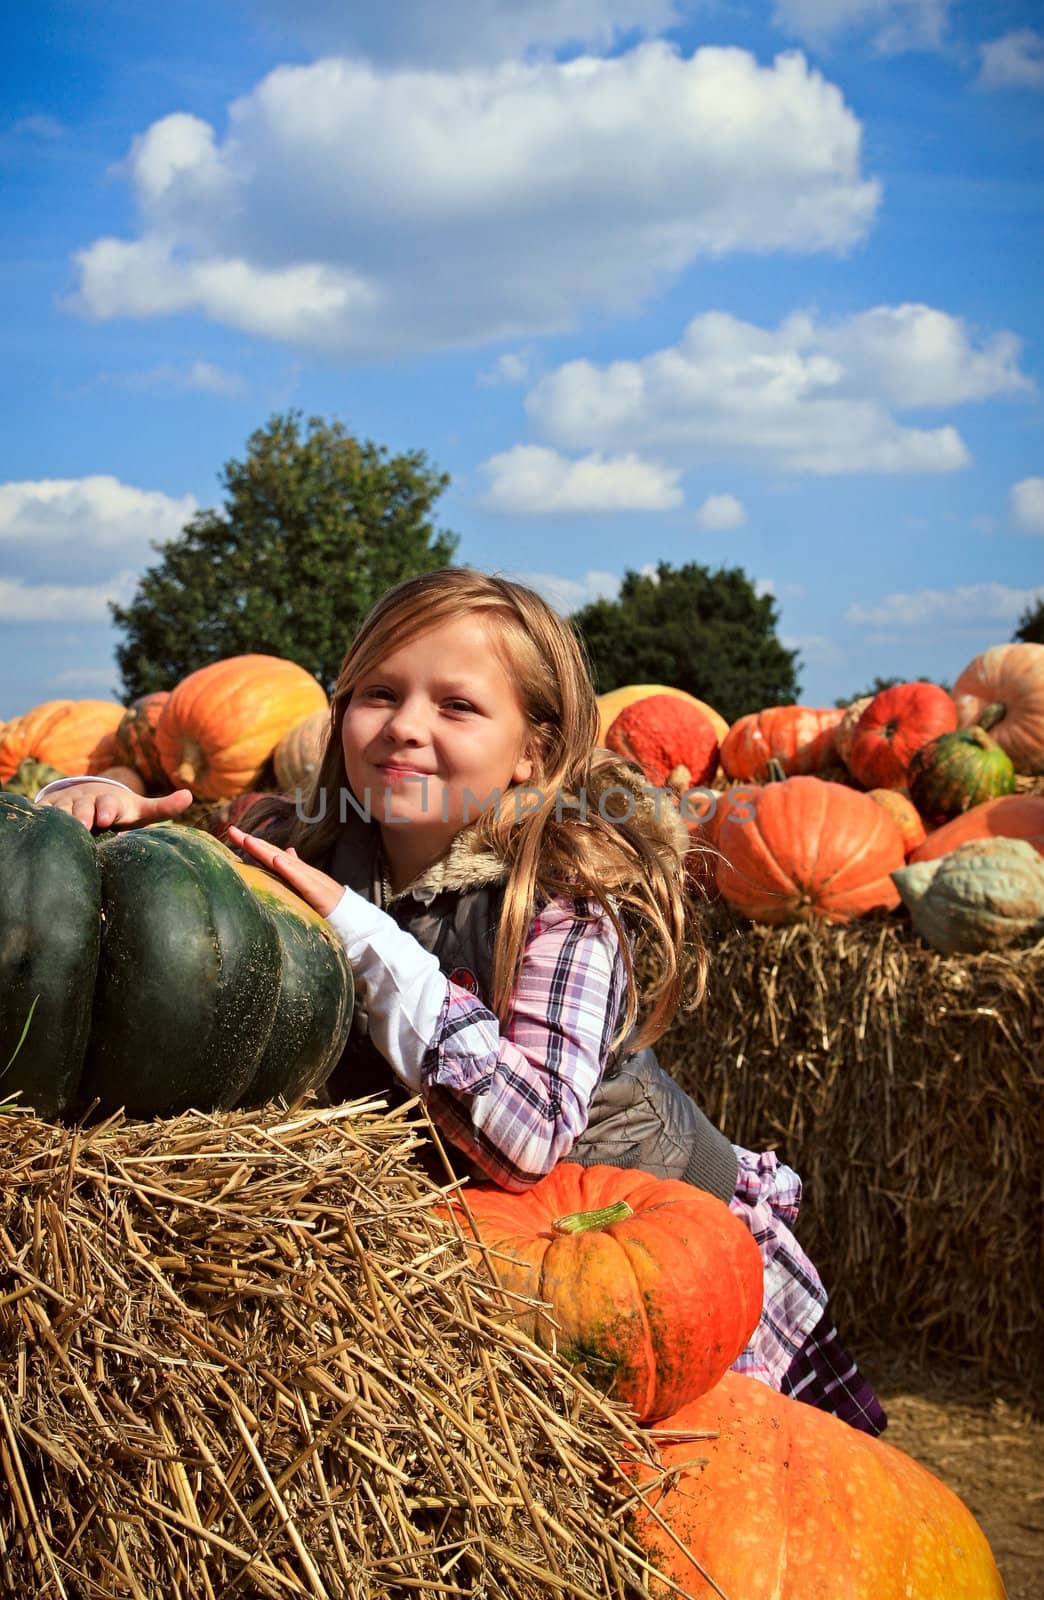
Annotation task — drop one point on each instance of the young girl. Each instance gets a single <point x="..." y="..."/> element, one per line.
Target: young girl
<point x="496" y="881"/>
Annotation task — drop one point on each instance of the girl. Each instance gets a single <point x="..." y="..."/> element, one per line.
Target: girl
<point x="496" y="881"/>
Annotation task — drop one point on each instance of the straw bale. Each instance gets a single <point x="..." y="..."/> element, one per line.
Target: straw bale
<point x="240" y="1354"/>
<point x="906" y="1088"/>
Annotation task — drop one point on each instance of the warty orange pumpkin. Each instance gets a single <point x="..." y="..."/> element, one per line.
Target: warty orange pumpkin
<point x="614" y="701"/>
<point x="652" y="1283"/>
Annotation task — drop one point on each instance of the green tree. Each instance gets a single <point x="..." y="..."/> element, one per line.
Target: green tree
<point x="1031" y="625"/>
<point x="316" y="525"/>
<point x="707" y="632"/>
<point x="880" y="684"/>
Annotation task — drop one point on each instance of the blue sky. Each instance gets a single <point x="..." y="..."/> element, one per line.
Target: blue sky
<point x="654" y="280"/>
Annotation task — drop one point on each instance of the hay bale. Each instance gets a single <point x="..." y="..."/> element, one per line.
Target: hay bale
<point x="240" y="1354"/>
<point x="906" y="1088"/>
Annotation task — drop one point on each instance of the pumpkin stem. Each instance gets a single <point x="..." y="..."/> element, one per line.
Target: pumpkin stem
<point x="775" y="771"/>
<point x="993" y="714"/>
<point x="587" y="1221"/>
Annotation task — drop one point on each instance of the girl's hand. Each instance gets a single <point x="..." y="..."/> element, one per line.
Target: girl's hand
<point x="321" y="891"/>
<point x="108" y="805"/>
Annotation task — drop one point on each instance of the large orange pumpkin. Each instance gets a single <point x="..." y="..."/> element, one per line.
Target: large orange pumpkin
<point x="704" y="815"/>
<point x="673" y="742"/>
<point x="773" y="1498"/>
<point x="222" y="723"/>
<point x="1012" y="816"/>
<point x="891" y="730"/>
<point x="614" y="701"/>
<point x="800" y="738"/>
<point x="1010" y="675"/>
<point x="73" y="735"/>
<point x="812" y="849"/>
<point x="653" y="1283"/>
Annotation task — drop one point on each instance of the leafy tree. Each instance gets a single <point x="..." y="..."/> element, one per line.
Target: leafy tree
<point x="316" y="526"/>
<point x="880" y="684"/>
<point x="1031" y="625"/>
<point x="706" y="632"/>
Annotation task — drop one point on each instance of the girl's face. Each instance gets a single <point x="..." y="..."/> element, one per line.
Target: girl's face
<point x="434" y="732"/>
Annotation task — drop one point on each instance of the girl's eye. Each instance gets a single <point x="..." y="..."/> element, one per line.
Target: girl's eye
<point x="459" y="705"/>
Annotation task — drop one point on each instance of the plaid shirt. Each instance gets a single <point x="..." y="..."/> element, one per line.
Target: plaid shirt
<point x="516" y="1097"/>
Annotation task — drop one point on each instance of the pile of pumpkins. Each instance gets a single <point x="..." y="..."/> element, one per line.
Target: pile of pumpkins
<point x="655" y="1288"/>
<point x="911" y="795"/>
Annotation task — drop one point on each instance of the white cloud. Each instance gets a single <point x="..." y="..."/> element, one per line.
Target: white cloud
<point x="802" y="397"/>
<point x="530" y="480"/>
<point x="1015" y="61"/>
<point x="1026" y="505"/>
<point x="98" y="511"/>
<point x="894" y="25"/>
<point x="63" y="602"/>
<point x="569" y="594"/>
<point x="461" y="31"/>
<point x="530" y="190"/>
<point x="970" y="605"/>
<point x="201" y="376"/>
<point x="816" y="649"/>
<point x="40" y="127"/>
<point x="513" y="367"/>
<point x="719" y="512"/>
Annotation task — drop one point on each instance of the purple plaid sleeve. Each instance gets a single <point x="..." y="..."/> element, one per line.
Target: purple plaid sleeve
<point x="516" y="1098"/>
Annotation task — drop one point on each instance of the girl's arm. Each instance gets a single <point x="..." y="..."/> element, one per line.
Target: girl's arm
<point x="107" y="803"/>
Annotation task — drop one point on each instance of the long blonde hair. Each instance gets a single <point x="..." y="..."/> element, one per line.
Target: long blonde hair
<point x="570" y="842"/>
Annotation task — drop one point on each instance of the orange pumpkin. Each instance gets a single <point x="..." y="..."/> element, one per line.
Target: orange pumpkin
<point x="299" y="752"/>
<point x="776" y="1498"/>
<point x="800" y="738"/>
<point x="704" y="816"/>
<point x="672" y="741"/>
<point x="812" y="849"/>
<point x="846" y="729"/>
<point x="653" y="1283"/>
<point x="894" y="726"/>
<point x="136" y="738"/>
<point x="614" y="701"/>
<point x="73" y="735"/>
<point x="1012" y="676"/>
<point x="222" y="723"/>
<point x="904" y="814"/>
<point x="1012" y="816"/>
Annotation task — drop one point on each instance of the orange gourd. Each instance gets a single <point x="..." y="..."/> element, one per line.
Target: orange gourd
<point x="222" y="723"/>
<point x="904" y="814"/>
<point x="771" y="1497"/>
<point x="652" y="1283"/>
<point x="812" y="849"/>
<point x="893" y="727"/>
<point x="73" y="735"/>
<point x="614" y="701"/>
<point x="800" y="738"/>
<point x="136" y="738"/>
<point x="1011" y="676"/>
<point x="1012" y="816"/>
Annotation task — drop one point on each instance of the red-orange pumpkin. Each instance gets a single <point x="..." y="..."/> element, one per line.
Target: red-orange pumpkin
<point x="673" y="741"/>
<point x="614" y="701"/>
<point x="800" y="738"/>
<point x="136" y="738"/>
<point x="1012" y="676"/>
<point x="1013" y="816"/>
<point x="894" y="726"/>
<point x="652" y="1283"/>
<point x="812" y="849"/>
<point x="222" y="723"/>
<point x="776" y="1498"/>
<point x="73" y="735"/>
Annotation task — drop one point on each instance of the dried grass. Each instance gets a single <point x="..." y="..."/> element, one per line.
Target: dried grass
<point x="240" y="1355"/>
<point x="906" y="1088"/>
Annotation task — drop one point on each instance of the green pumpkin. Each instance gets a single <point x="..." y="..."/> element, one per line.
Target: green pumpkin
<point x="156" y="972"/>
<point x="984" y="895"/>
<point x="956" y="771"/>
